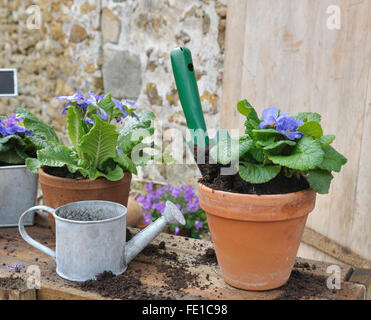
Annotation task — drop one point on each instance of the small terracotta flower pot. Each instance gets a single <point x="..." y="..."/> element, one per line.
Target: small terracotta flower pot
<point x="256" y="238"/>
<point x="60" y="191"/>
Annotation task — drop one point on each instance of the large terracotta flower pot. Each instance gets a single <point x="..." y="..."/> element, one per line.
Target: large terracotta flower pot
<point x="256" y="238"/>
<point x="60" y="191"/>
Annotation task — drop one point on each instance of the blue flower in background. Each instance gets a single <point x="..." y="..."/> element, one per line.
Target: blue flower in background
<point x="13" y="125"/>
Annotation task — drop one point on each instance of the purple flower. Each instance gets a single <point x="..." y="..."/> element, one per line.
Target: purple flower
<point x="74" y="98"/>
<point x="13" y="125"/>
<point x="192" y="206"/>
<point x="140" y="199"/>
<point x="270" y="116"/>
<point x="177" y="230"/>
<point x="147" y="218"/>
<point x="149" y="186"/>
<point x="119" y="150"/>
<point x="198" y="225"/>
<point x="93" y="100"/>
<point x="16" y="268"/>
<point x="288" y="125"/>
<point x="90" y="121"/>
<point x="176" y="192"/>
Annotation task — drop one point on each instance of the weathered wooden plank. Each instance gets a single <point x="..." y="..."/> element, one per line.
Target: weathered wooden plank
<point x="293" y="61"/>
<point x="149" y="268"/>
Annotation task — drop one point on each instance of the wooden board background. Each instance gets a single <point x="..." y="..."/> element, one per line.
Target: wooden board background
<point x="281" y="53"/>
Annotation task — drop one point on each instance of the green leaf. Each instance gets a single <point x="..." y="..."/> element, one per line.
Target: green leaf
<point x="74" y="127"/>
<point x="257" y="154"/>
<point x="33" y="165"/>
<point x="244" y="107"/>
<point x="229" y="150"/>
<point x="123" y="160"/>
<point x="100" y="143"/>
<point x="320" y="180"/>
<point x="277" y="148"/>
<point x="127" y="142"/>
<point x="258" y="174"/>
<point x="333" y="160"/>
<point x="8" y="142"/>
<point x="11" y="157"/>
<point x="145" y="120"/>
<point x="107" y="104"/>
<point x="327" y="140"/>
<point x="265" y="134"/>
<point x="311" y="128"/>
<point x="112" y="175"/>
<point x="308" y="116"/>
<point x="58" y="156"/>
<point x="306" y="155"/>
<point x="37" y="126"/>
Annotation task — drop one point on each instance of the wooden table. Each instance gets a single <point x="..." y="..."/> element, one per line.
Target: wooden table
<point x="207" y="282"/>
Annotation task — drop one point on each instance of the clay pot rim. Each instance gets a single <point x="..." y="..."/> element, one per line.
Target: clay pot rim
<point x="234" y="195"/>
<point x="250" y="207"/>
<point x="100" y="183"/>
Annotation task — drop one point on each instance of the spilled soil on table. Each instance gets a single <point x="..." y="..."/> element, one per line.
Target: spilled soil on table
<point x="175" y="275"/>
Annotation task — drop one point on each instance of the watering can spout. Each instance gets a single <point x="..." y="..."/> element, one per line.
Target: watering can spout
<point x="171" y="215"/>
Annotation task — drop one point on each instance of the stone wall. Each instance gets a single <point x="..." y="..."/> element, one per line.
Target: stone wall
<point x="117" y="46"/>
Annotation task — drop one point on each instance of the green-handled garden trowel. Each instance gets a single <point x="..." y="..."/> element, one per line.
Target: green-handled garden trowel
<point x="185" y="79"/>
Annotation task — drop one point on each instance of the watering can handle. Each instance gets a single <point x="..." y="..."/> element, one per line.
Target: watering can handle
<point x="25" y="235"/>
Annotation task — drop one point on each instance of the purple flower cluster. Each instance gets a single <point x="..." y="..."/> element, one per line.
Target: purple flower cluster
<point x="15" y="268"/>
<point x="78" y="100"/>
<point x="12" y="126"/>
<point x="184" y="197"/>
<point x="284" y="123"/>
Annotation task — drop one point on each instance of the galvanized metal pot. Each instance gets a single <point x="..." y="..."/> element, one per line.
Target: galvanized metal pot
<point x="18" y="191"/>
<point x="85" y="249"/>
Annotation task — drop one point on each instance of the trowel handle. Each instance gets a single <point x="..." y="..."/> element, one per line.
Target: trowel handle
<point x="27" y="238"/>
<point x="185" y="79"/>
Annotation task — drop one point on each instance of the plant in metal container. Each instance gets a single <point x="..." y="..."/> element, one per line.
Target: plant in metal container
<point x="99" y="163"/>
<point x="185" y="198"/>
<point x="18" y="188"/>
<point x="257" y="216"/>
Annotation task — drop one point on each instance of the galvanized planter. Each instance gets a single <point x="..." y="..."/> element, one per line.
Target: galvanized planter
<point x="18" y="192"/>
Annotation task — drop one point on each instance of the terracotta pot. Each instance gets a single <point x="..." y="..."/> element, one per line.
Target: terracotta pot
<point x="60" y="191"/>
<point x="256" y="238"/>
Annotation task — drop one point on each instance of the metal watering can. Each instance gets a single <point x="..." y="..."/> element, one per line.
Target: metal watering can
<point x="85" y="249"/>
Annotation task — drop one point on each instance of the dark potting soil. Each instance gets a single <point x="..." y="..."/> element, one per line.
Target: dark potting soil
<point x="212" y="178"/>
<point x="209" y="257"/>
<point x="62" y="173"/>
<point x="302" y="285"/>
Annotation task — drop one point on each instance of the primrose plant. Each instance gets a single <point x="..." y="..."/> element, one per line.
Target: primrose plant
<point x="280" y="142"/>
<point x="184" y="197"/>
<point x="98" y="148"/>
<point x="17" y="143"/>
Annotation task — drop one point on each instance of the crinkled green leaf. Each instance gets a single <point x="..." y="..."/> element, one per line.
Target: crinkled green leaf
<point x="311" y="128"/>
<point x="31" y="122"/>
<point x="145" y="120"/>
<point x="230" y="150"/>
<point x="307" y="155"/>
<point x="278" y="147"/>
<point x="257" y="174"/>
<point x="11" y="157"/>
<point x="8" y="142"/>
<point x="333" y="160"/>
<point x="33" y="165"/>
<point x="257" y="154"/>
<point x="252" y="120"/>
<point x="308" y="116"/>
<point x="327" y="140"/>
<point x="100" y="143"/>
<point x="107" y="104"/>
<point x="112" y="175"/>
<point x="74" y="127"/>
<point x="127" y="142"/>
<point x="57" y="156"/>
<point x="320" y="180"/>
<point x="123" y="160"/>
<point x="265" y="134"/>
